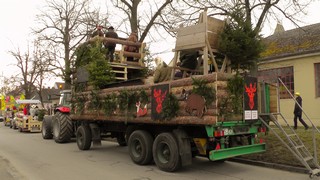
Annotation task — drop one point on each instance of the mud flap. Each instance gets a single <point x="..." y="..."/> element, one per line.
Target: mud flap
<point x="96" y="137"/>
<point x="184" y="146"/>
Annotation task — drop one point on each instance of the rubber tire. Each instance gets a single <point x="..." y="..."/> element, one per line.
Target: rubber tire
<point x="84" y="137"/>
<point x="62" y="127"/>
<point x="140" y="147"/>
<point x="166" y="143"/>
<point x="47" y="127"/>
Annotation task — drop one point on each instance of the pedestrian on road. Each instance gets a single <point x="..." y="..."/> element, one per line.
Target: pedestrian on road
<point x="298" y="112"/>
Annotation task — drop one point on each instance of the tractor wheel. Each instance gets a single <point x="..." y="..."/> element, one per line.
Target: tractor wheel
<point x="47" y="127"/>
<point x="62" y="128"/>
<point x="140" y="147"/>
<point x="84" y="137"/>
<point x="166" y="152"/>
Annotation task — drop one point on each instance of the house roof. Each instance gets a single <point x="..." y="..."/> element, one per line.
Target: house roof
<point x="53" y="93"/>
<point x="299" y="41"/>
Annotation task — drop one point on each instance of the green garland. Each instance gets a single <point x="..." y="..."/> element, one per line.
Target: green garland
<point x="110" y="104"/>
<point x="232" y="104"/>
<point x="235" y="90"/>
<point x="201" y="88"/>
<point x="78" y="105"/>
<point x="127" y="99"/>
<point x="170" y="107"/>
<point x="95" y="103"/>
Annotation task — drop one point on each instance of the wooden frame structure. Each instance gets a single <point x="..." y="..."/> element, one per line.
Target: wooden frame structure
<point x="202" y="36"/>
<point x="121" y="66"/>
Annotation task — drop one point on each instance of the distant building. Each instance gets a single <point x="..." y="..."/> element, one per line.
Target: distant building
<point x="294" y="56"/>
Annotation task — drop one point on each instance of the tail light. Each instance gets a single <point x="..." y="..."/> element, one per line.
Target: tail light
<point x="218" y="146"/>
<point x="219" y="133"/>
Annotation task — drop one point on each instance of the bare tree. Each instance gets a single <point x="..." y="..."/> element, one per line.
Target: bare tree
<point x="256" y="12"/>
<point x="40" y="54"/>
<point x="28" y="70"/>
<point x="64" y="24"/>
<point x="140" y="15"/>
<point x="34" y="68"/>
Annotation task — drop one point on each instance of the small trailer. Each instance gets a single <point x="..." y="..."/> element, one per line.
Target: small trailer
<point x="28" y="122"/>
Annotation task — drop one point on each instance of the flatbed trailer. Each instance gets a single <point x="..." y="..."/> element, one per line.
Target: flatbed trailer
<point x="164" y="122"/>
<point x="172" y="142"/>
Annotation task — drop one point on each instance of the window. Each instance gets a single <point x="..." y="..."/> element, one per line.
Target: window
<point x="317" y="78"/>
<point x="286" y="76"/>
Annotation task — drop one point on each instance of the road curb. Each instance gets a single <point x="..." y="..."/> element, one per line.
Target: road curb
<point x="271" y="165"/>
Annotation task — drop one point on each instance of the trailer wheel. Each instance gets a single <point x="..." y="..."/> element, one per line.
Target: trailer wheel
<point x="166" y="152"/>
<point x="62" y="128"/>
<point x="84" y="137"/>
<point x="140" y="147"/>
<point x="46" y="127"/>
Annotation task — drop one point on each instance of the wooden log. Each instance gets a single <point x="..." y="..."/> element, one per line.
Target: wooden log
<point x="176" y="83"/>
<point x="114" y="40"/>
<point x="132" y="54"/>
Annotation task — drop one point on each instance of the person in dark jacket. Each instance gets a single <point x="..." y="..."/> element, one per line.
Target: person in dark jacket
<point x="298" y="112"/>
<point x="110" y="46"/>
<point x="188" y="60"/>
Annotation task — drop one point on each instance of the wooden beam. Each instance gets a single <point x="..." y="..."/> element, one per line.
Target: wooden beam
<point x="117" y="41"/>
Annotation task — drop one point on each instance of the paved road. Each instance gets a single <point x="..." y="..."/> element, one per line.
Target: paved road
<point x="26" y="156"/>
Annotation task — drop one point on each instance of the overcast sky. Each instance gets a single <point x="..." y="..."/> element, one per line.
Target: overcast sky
<point x="17" y="17"/>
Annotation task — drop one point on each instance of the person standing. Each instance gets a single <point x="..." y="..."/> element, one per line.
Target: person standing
<point x="98" y="32"/>
<point x="110" y="46"/>
<point x="133" y="38"/>
<point x="298" y="112"/>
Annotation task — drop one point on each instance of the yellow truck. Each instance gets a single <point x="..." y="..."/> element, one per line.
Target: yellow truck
<point x="28" y="122"/>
